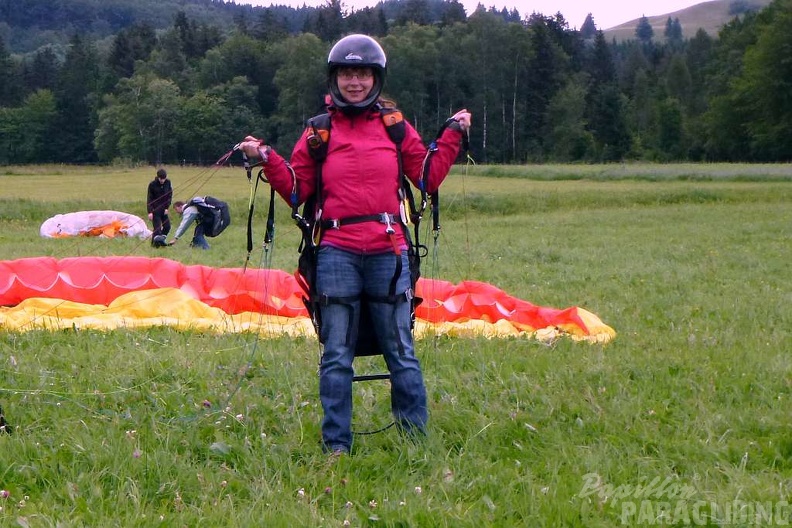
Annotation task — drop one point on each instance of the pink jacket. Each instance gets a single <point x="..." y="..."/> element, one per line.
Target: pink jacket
<point x="360" y="176"/>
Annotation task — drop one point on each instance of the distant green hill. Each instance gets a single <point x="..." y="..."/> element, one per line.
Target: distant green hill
<point x="26" y="25"/>
<point x="709" y="16"/>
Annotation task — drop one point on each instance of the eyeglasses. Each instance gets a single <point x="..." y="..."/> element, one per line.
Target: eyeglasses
<point x="363" y="74"/>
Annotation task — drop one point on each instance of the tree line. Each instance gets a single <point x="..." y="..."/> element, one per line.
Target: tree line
<point x="538" y="90"/>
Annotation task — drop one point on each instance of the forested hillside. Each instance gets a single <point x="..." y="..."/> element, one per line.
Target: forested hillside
<point x="165" y="81"/>
<point x="26" y="25"/>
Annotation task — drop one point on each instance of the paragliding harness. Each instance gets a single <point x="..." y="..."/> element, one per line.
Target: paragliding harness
<point x="215" y="214"/>
<point x="313" y="226"/>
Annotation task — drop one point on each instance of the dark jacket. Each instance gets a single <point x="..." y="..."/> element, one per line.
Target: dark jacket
<point x="159" y="196"/>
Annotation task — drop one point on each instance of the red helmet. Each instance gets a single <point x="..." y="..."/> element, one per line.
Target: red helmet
<point x="356" y="51"/>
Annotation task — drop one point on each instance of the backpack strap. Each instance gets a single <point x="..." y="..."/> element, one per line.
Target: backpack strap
<point x="318" y="144"/>
<point x="394" y="125"/>
<point x="318" y="137"/>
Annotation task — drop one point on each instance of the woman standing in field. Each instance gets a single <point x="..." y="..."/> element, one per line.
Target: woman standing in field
<point x="362" y="256"/>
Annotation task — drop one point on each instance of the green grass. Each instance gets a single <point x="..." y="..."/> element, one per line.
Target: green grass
<point x="159" y="427"/>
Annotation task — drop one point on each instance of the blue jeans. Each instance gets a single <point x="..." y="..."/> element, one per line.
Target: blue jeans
<point x="345" y="274"/>
<point x="199" y="240"/>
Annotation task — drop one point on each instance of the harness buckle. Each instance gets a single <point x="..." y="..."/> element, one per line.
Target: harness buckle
<point x="387" y="219"/>
<point x="334" y="223"/>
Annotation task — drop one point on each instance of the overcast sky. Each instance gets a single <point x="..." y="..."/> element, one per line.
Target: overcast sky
<point x="606" y="13"/>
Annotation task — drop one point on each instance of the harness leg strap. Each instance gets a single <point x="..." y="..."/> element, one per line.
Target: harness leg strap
<point x="394" y="300"/>
<point x="325" y="300"/>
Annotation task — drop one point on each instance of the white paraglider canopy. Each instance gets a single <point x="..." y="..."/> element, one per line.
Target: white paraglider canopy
<point x="105" y="224"/>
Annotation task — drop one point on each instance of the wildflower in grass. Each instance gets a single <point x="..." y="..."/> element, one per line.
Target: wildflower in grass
<point x="346" y="523"/>
<point x="301" y="492"/>
<point x="131" y="434"/>
<point x="418" y="490"/>
<point x="328" y="490"/>
<point x="136" y="453"/>
<point x="348" y="505"/>
<point x="372" y="504"/>
<point x="207" y="404"/>
<point x="4" y="494"/>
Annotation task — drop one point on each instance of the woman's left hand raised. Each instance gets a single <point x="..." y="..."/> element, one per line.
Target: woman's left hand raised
<point x="463" y="118"/>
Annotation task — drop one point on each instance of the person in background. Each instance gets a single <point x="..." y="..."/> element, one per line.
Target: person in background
<point x="210" y="215"/>
<point x="158" y="200"/>
<point x="363" y="249"/>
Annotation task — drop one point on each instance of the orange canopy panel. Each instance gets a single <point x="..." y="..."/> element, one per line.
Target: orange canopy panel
<point x="111" y="292"/>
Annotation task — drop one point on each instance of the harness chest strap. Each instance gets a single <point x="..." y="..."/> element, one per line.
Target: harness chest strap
<point x="389" y="219"/>
<point x="336" y="223"/>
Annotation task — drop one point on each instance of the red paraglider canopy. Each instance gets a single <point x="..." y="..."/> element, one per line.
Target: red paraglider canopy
<point x="29" y="286"/>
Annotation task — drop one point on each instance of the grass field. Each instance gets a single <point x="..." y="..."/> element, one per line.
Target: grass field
<point x="684" y="419"/>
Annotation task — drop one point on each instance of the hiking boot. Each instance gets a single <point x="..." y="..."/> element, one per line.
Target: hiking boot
<point x="335" y="451"/>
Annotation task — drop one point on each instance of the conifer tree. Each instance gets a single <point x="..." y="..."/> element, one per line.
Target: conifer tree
<point x="9" y="81"/>
<point x="75" y="99"/>
<point x="673" y="31"/>
<point x="644" y="31"/>
<point x="589" y="29"/>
